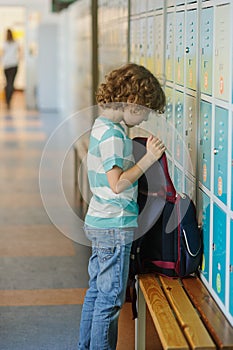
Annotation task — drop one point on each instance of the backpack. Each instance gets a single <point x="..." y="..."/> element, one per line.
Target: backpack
<point x="168" y="240"/>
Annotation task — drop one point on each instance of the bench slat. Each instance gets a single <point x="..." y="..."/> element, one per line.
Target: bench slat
<point x="215" y="321"/>
<point x="190" y="322"/>
<point x="166" y="325"/>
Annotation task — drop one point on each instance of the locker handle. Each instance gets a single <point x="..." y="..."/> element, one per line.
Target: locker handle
<point x="215" y="151"/>
<point x="187" y="50"/>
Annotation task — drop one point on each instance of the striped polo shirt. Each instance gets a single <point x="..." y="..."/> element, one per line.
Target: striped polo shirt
<point x="110" y="146"/>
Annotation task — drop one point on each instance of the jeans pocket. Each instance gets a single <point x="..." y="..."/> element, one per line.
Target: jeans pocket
<point x="106" y="253"/>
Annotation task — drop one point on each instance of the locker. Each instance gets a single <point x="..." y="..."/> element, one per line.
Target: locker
<point x="232" y="165"/>
<point x="204" y="203"/>
<point x="231" y="271"/>
<point x="169" y="127"/>
<point x="170" y="167"/>
<point x="189" y="188"/>
<point x="178" y="179"/>
<point x="159" y="44"/>
<point x="133" y="9"/>
<point x="219" y="252"/>
<point x="179" y="126"/>
<point x="220" y="153"/>
<point x="150" y="59"/>
<point x="133" y="41"/>
<point x="205" y="143"/>
<point x="179" y="54"/>
<point x="142" y="42"/>
<point x="222" y="51"/>
<point x="190" y="49"/>
<point x="137" y="40"/>
<point x="206" y="50"/>
<point x="154" y="5"/>
<point x="169" y="55"/>
<point x="171" y="3"/>
<point x="190" y="138"/>
<point x="142" y="6"/>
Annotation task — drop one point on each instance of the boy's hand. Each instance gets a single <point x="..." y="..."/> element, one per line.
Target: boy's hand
<point x="155" y="148"/>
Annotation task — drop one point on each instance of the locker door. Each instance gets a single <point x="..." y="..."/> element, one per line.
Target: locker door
<point x="169" y="127"/>
<point x="222" y="51"/>
<point x="219" y="252"/>
<point x="220" y="153"/>
<point x="179" y="54"/>
<point x="137" y="40"/>
<point x="153" y="5"/>
<point x="205" y="143"/>
<point x="150" y="44"/>
<point x="133" y="40"/>
<point x="231" y="270"/>
<point x="179" y="126"/>
<point x="178" y="179"/>
<point x="232" y="166"/>
<point x="191" y="47"/>
<point x="205" y="214"/>
<point x="170" y="47"/>
<point x="142" y="45"/>
<point x="190" y="155"/>
<point x="159" y="45"/>
<point x="206" y="50"/>
<point x="189" y="188"/>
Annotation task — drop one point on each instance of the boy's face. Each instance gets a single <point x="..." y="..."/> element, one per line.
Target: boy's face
<point x="134" y="115"/>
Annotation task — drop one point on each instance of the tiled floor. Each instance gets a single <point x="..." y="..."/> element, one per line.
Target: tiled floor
<point x="43" y="274"/>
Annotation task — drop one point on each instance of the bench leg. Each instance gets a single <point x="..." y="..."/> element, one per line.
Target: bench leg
<point x="140" y="322"/>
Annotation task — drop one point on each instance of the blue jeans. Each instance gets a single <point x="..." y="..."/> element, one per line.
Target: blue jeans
<point x="108" y="270"/>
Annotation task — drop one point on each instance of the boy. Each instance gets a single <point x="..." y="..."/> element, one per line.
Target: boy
<point x="112" y="213"/>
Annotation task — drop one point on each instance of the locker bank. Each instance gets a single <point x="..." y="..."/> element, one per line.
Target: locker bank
<point x="68" y="47"/>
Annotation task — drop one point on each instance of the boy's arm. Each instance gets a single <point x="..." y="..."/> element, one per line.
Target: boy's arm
<point x="120" y="180"/>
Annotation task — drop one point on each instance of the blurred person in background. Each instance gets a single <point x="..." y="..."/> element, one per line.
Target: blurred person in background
<point x="10" y="61"/>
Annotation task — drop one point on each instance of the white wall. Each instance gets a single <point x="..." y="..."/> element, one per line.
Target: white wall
<point x="36" y="12"/>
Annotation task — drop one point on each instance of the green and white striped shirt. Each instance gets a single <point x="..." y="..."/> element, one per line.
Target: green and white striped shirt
<point x="110" y="146"/>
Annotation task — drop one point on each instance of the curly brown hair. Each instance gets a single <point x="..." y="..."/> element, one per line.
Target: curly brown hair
<point x="132" y="83"/>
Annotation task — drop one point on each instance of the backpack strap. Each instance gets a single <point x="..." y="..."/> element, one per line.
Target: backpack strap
<point x="170" y="189"/>
<point x="164" y="264"/>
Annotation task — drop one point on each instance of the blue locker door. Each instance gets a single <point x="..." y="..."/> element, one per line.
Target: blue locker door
<point x="206" y="50"/>
<point x="169" y="126"/>
<point x="231" y="270"/>
<point x="170" y="47"/>
<point x="219" y="252"/>
<point x="205" y="209"/>
<point x="220" y="153"/>
<point x="179" y="126"/>
<point x="205" y="144"/>
<point x="179" y="54"/>
<point x="232" y="166"/>
<point x="191" y="42"/>
<point x="178" y="179"/>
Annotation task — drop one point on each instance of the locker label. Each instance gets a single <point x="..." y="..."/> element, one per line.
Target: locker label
<point x="219" y="185"/>
<point x="218" y="283"/>
<point x="204" y="173"/>
<point x="221" y="85"/>
<point x="206" y="80"/>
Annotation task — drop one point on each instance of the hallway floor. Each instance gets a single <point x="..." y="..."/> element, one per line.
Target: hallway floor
<point x="43" y="274"/>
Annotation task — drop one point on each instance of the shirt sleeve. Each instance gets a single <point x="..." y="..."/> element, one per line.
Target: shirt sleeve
<point x="112" y="149"/>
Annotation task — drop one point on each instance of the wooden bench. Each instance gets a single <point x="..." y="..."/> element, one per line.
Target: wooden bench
<point x="184" y="314"/>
